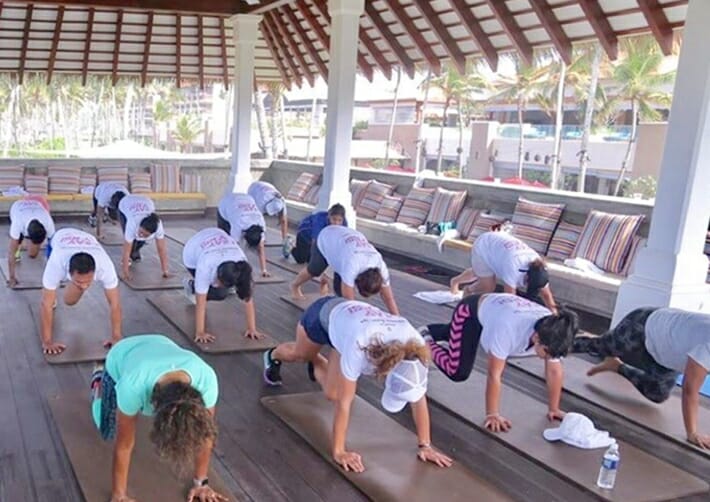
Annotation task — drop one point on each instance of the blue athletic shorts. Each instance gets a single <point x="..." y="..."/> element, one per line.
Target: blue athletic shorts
<point x="310" y="320"/>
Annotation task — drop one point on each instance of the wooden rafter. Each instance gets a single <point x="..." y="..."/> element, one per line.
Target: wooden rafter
<point x="450" y="45"/>
<point x="275" y="54"/>
<point x="474" y="28"/>
<point x="384" y="65"/>
<point x="415" y="35"/>
<point x="221" y="7"/>
<point x="55" y="43"/>
<point x="87" y="45"/>
<point x="271" y="30"/>
<point x="146" y="54"/>
<point x="389" y="37"/>
<point x="178" y="49"/>
<point x="201" y="51"/>
<point x="554" y="29"/>
<point x="223" y="47"/>
<point x="307" y="42"/>
<point x="117" y="46"/>
<point x="25" y="43"/>
<point x="277" y="21"/>
<point x="263" y="6"/>
<point x="658" y="23"/>
<point x="507" y="21"/>
<point x="600" y="24"/>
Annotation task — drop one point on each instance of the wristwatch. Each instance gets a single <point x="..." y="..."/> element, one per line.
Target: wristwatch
<point x="199" y="483"/>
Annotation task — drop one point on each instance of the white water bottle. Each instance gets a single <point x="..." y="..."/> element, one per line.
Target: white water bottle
<point x="609" y="468"/>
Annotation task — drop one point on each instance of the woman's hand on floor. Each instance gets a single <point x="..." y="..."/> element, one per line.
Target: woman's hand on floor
<point x="429" y="454"/>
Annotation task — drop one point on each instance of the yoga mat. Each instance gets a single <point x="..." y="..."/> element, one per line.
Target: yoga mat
<point x="112" y="233"/>
<point x="302" y="303"/>
<point x="616" y="394"/>
<point x="286" y="264"/>
<point x="641" y="476"/>
<point x="225" y="320"/>
<point x="147" y="274"/>
<point x="149" y="478"/>
<point x="180" y="234"/>
<point x="274" y="279"/>
<point x="392" y="470"/>
<point x="273" y="238"/>
<point x="28" y="271"/>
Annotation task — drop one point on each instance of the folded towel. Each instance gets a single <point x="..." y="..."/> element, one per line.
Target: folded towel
<point x="14" y="192"/>
<point x="87" y="190"/>
<point x="438" y="297"/>
<point x="584" y="265"/>
<point x="447" y="235"/>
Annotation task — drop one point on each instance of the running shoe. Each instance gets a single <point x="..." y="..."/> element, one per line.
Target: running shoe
<point x="272" y="369"/>
<point x="18" y="255"/>
<point x="287" y="247"/>
<point x="189" y="290"/>
<point x="92" y="221"/>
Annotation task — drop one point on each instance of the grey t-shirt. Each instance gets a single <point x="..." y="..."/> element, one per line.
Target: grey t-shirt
<point x="673" y="335"/>
<point x="326" y="309"/>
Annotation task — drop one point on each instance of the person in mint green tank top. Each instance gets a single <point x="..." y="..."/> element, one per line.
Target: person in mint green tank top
<point x="152" y="376"/>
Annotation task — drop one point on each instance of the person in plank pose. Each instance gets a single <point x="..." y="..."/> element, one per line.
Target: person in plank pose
<point x="152" y="376"/>
<point x="356" y="265"/>
<point x="140" y="224"/>
<point x="78" y="257"/>
<point x="310" y="227"/>
<point x="498" y="255"/>
<point x="365" y="341"/>
<point x="29" y="218"/>
<point x="650" y="347"/>
<point x="238" y="215"/>
<point x="107" y="196"/>
<point x="505" y="325"/>
<point x="271" y="203"/>
<point x="217" y="263"/>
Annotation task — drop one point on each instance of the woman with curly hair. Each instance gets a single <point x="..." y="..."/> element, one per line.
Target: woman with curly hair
<point x="364" y="340"/>
<point x="152" y="376"/>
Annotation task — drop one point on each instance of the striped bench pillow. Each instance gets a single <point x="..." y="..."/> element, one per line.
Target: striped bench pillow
<point x="389" y="209"/>
<point x="372" y="199"/>
<point x="113" y="175"/>
<point x="535" y="222"/>
<point x="564" y="241"/>
<point x="64" y="179"/>
<point x="165" y="178"/>
<point x="606" y="239"/>
<point x="357" y="191"/>
<point x="191" y="183"/>
<point x="301" y="186"/>
<point x="11" y="176"/>
<point x="465" y="222"/>
<point x="416" y="206"/>
<point x="36" y="184"/>
<point x="446" y="206"/>
<point x="637" y="243"/>
<point x="87" y="180"/>
<point x="140" y="182"/>
<point x="313" y="195"/>
<point x="483" y="224"/>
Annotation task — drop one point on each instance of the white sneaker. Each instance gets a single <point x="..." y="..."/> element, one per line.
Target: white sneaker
<point x="189" y="290"/>
<point x="424" y="331"/>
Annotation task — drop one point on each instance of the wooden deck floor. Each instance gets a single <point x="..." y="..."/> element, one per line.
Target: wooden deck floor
<point x="258" y="456"/>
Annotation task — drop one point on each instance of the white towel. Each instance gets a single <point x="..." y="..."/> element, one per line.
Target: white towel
<point x="14" y="192"/>
<point x="438" y="297"/>
<point x="87" y="190"/>
<point x="446" y="236"/>
<point x="584" y="265"/>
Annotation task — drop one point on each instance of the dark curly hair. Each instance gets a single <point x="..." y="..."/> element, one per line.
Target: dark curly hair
<point x="557" y="332"/>
<point x="181" y="425"/>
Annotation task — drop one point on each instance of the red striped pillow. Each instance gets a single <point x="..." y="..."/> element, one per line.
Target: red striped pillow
<point x="389" y="209"/>
<point x="564" y="241"/>
<point x="11" y="177"/>
<point x="166" y="178"/>
<point x="113" y="175"/>
<point x="446" y="206"/>
<point x="140" y="182"/>
<point x="191" y="183"/>
<point x="637" y="243"/>
<point x="36" y="184"/>
<point x="357" y="190"/>
<point x="606" y="239"/>
<point x="483" y="224"/>
<point x="535" y="222"/>
<point x="301" y="186"/>
<point x="87" y="180"/>
<point x="465" y="222"/>
<point x="312" y="195"/>
<point x="416" y="206"/>
<point x="64" y="179"/>
<point x="372" y="199"/>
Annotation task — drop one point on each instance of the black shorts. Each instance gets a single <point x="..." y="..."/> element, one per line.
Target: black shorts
<point x="317" y="264"/>
<point x="310" y="320"/>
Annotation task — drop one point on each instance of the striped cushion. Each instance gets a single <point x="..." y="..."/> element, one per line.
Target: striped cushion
<point x="140" y="182"/>
<point x="606" y="239"/>
<point x="64" y="179"/>
<point x="191" y="183"/>
<point x="312" y="195"/>
<point x="87" y="180"/>
<point x="534" y="223"/>
<point x="483" y="224"/>
<point x="416" y="206"/>
<point x="300" y="188"/>
<point x="36" y="184"/>
<point x="389" y="209"/>
<point x="372" y="199"/>
<point x="707" y="252"/>
<point x="564" y="241"/>
<point x="357" y="190"/>
<point x="636" y="244"/>
<point x="446" y="206"/>
<point x="465" y="222"/>
<point x="113" y="175"/>
<point x="11" y="177"/>
<point x="166" y="178"/>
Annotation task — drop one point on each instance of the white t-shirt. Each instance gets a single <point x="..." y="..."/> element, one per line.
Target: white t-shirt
<point x="135" y="208"/>
<point x="262" y="193"/>
<point x="104" y="191"/>
<point x="352" y="325"/>
<point x="349" y="253"/>
<point x="23" y="211"/>
<point x="508" y="323"/>
<point x="506" y="256"/>
<point x="240" y="210"/>
<point x="205" y="252"/>
<point x="66" y="243"/>
<point x="674" y="335"/>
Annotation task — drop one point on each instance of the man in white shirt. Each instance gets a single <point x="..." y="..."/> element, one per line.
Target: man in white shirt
<point x="107" y="196"/>
<point x="239" y="216"/>
<point x="270" y="202"/>
<point x="650" y="347"/>
<point x="140" y="224"/>
<point x="78" y="257"/>
<point x="30" y="218"/>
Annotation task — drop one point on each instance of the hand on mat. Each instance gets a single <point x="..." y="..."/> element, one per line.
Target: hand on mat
<point x="113" y="341"/>
<point x="167" y="274"/>
<point x="349" y="461"/>
<point x="53" y="348"/>
<point x="253" y="334"/>
<point x="265" y="273"/>
<point x="553" y="415"/>
<point x="429" y="454"/>
<point x="497" y="423"/>
<point x="12" y="282"/>
<point x="122" y="498"/>
<point x="204" y="494"/>
<point x="204" y="338"/>
<point x="699" y="440"/>
<point x="126" y="275"/>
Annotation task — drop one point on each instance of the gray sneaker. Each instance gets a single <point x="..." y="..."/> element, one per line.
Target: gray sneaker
<point x="188" y="286"/>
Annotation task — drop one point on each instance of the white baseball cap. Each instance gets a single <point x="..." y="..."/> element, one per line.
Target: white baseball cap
<point x="274" y="206"/>
<point x="406" y="383"/>
<point x="578" y="430"/>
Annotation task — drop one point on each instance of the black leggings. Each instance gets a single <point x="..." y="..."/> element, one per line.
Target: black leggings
<point x="137" y="245"/>
<point x="627" y="341"/>
<point x="462" y="335"/>
<point x="213" y="294"/>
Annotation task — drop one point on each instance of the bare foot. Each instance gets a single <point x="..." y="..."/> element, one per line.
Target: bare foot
<point x="296" y="293"/>
<point x="609" y="364"/>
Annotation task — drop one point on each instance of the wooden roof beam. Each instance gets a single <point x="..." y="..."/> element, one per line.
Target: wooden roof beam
<point x="452" y="48"/>
<point x="507" y="21"/>
<point x="600" y="24"/>
<point x="307" y="42"/>
<point x="278" y="44"/>
<point x="146" y="54"/>
<point x="389" y="37"/>
<point x="263" y="6"/>
<point x="275" y="55"/>
<point x="658" y="23"/>
<point x="414" y="33"/>
<point x="277" y="21"/>
<point x="87" y="45"/>
<point x="201" y="51"/>
<point x="474" y="28"/>
<point x="25" y="43"/>
<point x="55" y="43"/>
<point x="554" y="29"/>
<point x="223" y="48"/>
<point x="117" y="47"/>
<point x="214" y="7"/>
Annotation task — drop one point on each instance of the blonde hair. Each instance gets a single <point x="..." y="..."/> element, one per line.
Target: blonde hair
<point x="385" y="356"/>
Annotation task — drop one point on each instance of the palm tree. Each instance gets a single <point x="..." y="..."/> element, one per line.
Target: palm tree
<point x="393" y="118"/>
<point x="276" y="90"/>
<point x="422" y="114"/>
<point x="641" y="82"/>
<point x="583" y="155"/>
<point x="162" y="114"/>
<point x="187" y="129"/>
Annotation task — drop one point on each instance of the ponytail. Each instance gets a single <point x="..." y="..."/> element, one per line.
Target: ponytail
<point x="385" y="356"/>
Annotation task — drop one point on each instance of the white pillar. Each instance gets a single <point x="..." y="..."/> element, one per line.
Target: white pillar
<point x="246" y="32"/>
<point x="671" y="270"/>
<point x="342" y="69"/>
